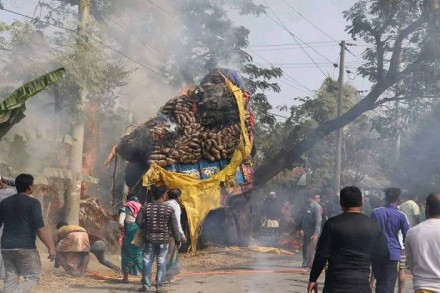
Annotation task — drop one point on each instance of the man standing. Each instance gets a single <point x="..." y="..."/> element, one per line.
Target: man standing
<point x="392" y="221"/>
<point x="411" y="209"/>
<point x="7" y="188"/>
<point x="310" y="228"/>
<point x="412" y="212"/>
<point x="271" y="212"/>
<point x="21" y="216"/>
<point x="158" y="220"/>
<point x="423" y="247"/>
<point x="347" y="243"/>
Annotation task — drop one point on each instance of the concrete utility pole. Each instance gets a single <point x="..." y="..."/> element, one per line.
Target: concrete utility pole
<point x="338" y="113"/>
<point x="76" y="154"/>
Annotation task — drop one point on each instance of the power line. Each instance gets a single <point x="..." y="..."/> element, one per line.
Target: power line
<point x="162" y="9"/>
<point x="286" y="75"/>
<point x="292" y="48"/>
<point x="308" y="43"/>
<point x="309" y="63"/>
<point x="287" y="82"/>
<point x="280" y="23"/>
<point x="127" y="28"/>
<point x="76" y="32"/>
<point x="309" y="21"/>
<point x="278" y="115"/>
<point x="317" y="27"/>
<point x="298" y="40"/>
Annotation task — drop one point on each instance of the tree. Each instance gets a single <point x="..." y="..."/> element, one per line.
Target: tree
<point x="12" y="108"/>
<point x="405" y="35"/>
<point x="359" y="139"/>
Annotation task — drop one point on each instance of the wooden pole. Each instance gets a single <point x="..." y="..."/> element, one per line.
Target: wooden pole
<point x="72" y="204"/>
<point x="338" y="113"/>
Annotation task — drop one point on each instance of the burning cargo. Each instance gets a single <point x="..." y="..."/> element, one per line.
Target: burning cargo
<point x="201" y="124"/>
<point x="199" y="142"/>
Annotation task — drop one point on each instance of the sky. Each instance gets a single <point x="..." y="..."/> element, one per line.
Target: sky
<point x="268" y="39"/>
<point x="324" y="14"/>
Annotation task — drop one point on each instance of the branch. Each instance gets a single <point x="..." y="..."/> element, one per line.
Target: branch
<point x="397" y="50"/>
<point x="387" y="100"/>
<point x="393" y="99"/>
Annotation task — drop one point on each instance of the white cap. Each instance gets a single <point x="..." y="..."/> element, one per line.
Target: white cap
<point x="272" y="193"/>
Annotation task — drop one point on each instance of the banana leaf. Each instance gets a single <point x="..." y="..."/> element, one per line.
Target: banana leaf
<point x="13" y="107"/>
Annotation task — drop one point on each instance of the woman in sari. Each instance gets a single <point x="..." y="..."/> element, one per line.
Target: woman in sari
<point x="173" y="265"/>
<point x="131" y="255"/>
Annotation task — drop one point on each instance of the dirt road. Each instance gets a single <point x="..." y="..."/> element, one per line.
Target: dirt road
<point x="212" y="271"/>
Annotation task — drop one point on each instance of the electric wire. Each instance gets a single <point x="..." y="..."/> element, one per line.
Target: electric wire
<point x="286" y="75"/>
<point x="162" y="9"/>
<point x="317" y="27"/>
<point x="148" y="67"/>
<point x="309" y="21"/>
<point x="297" y="40"/>
<point x="308" y="43"/>
<point x="127" y="28"/>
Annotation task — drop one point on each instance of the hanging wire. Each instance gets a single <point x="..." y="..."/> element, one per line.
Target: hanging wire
<point x="148" y="67"/>
<point x="297" y="39"/>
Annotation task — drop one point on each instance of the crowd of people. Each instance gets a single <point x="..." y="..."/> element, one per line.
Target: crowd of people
<point x="362" y="246"/>
<point x="361" y="250"/>
<point x="148" y="233"/>
<point x="365" y="243"/>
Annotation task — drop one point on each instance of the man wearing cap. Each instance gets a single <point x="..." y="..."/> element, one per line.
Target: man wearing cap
<point x="271" y="211"/>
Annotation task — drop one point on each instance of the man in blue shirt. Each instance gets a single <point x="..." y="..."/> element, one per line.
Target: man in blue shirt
<point x="392" y="221"/>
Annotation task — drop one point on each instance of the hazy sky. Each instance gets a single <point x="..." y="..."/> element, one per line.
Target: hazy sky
<point x="326" y="14"/>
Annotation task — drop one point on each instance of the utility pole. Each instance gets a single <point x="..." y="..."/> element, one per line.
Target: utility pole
<point x="338" y="113"/>
<point x="76" y="154"/>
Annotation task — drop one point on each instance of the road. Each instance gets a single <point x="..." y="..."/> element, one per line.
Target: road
<point x="267" y="274"/>
<point x="217" y="271"/>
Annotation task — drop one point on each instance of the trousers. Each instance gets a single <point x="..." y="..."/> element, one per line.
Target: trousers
<point x="21" y="262"/>
<point x="153" y="251"/>
<point x="385" y="272"/>
<point x="346" y="288"/>
<point x="308" y="249"/>
<point x="98" y="248"/>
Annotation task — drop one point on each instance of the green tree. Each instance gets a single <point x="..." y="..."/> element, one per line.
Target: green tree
<point x="405" y="38"/>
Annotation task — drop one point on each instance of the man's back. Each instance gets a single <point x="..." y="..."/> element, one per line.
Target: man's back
<point x="347" y="241"/>
<point x="21" y="216"/>
<point x="157" y="219"/>
<point x="392" y="221"/>
<point x="423" y="249"/>
<point x="412" y="211"/>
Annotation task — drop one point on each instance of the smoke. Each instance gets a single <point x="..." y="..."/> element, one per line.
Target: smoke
<point x="158" y="45"/>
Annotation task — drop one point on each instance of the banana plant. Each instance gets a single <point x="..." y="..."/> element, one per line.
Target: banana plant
<point x="12" y="108"/>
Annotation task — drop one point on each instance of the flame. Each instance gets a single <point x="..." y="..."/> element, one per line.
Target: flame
<point x="90" y="144"/>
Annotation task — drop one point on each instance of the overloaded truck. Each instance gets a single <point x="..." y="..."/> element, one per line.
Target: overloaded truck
<point x="200" y="142"/>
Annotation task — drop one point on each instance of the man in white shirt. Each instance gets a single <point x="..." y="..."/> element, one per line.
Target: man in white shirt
<point x="423" y="249"/>
<point x="173" y="264"/>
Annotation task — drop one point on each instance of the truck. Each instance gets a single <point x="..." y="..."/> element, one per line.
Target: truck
<point x="198" y="134"/>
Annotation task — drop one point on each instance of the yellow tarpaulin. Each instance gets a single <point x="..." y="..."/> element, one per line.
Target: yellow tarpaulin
<point x="201" y="196"/>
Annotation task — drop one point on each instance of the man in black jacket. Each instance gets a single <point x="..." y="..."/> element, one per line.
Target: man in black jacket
<point x="348" y="242"/>
<point x="158" y="221"/>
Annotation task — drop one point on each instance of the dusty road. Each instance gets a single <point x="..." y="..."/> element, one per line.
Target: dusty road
<point x="212" y="271"/>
